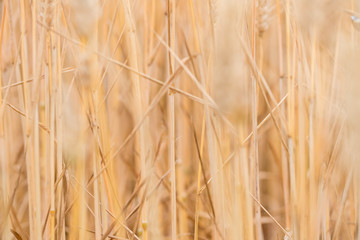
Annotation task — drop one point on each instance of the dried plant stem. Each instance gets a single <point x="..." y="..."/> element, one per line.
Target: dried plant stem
<point x="52" y="81"/>
<point x="4" y="202"/>
<point x="255" y="139"/>
<point x="143" y="140"/>
<point x="171" y="115"/>
<point x="31" y="140"/>
<point x="284" y="158"/>
<point x="199" y="177"/>
<point x="59" y="144"/>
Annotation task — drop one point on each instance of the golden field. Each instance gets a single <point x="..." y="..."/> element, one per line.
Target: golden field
<point x="192" y="119"/>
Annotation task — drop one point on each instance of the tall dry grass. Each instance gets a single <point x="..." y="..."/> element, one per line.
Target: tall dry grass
<point x="148" y="119"/>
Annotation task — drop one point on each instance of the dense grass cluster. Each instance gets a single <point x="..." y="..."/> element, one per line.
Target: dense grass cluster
<point x="192" y="119"/>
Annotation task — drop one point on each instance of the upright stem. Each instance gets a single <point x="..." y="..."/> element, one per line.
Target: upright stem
<point x="254" y="126"/>
<point x="143" y="139"/>
<point x="284" y="166"/>
<point x="3" y="148"/>
<point x="171" y="115"/>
